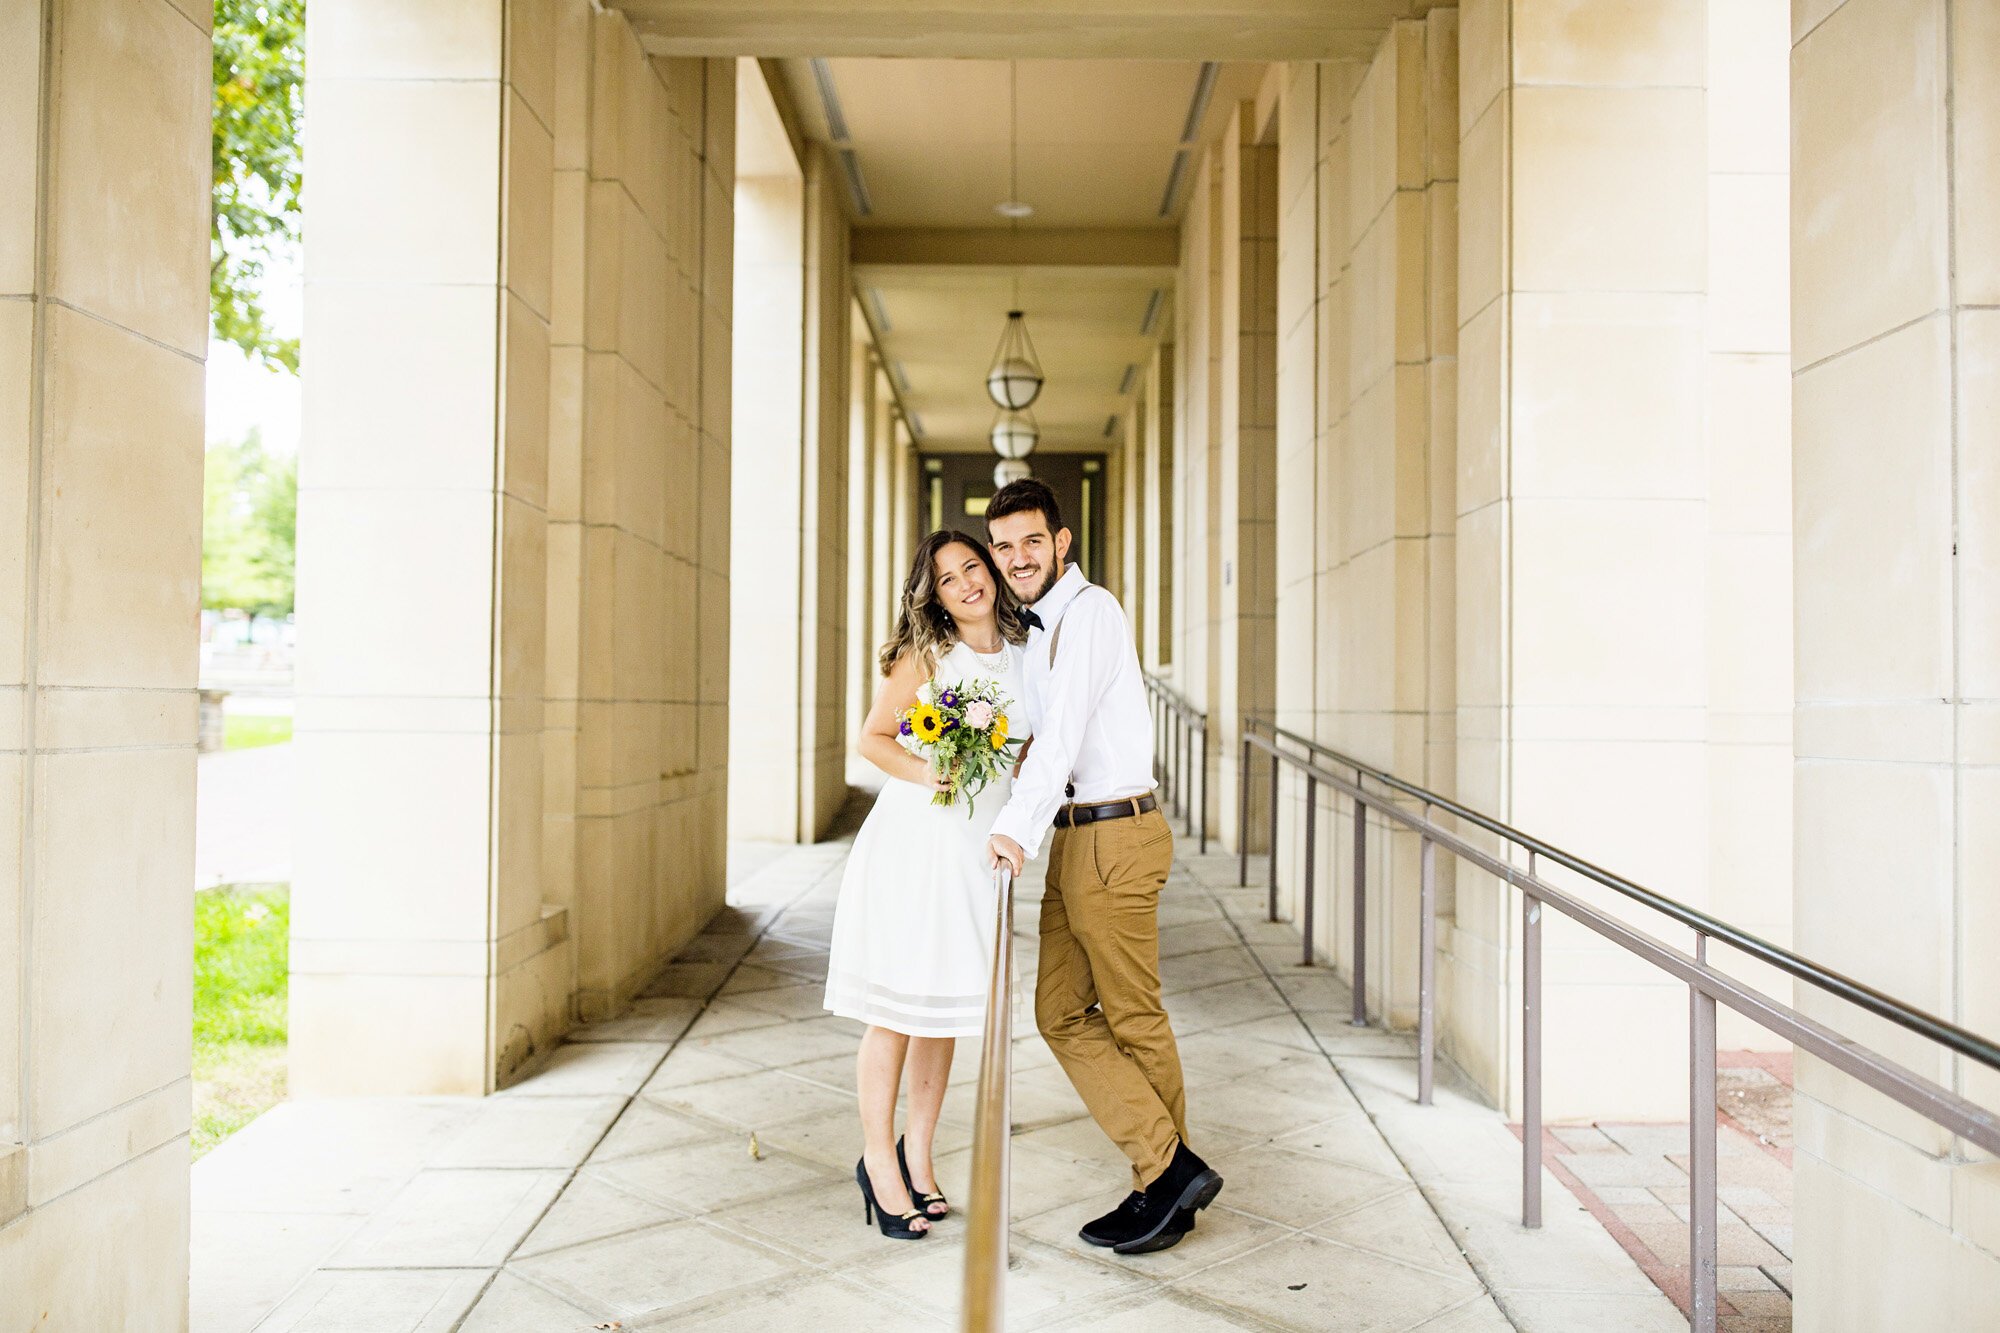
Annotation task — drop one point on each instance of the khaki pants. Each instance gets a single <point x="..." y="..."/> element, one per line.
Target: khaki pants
<point x="1097" y="995"/>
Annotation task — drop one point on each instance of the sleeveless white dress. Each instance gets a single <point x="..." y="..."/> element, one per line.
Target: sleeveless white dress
<point x="913" y="927"/>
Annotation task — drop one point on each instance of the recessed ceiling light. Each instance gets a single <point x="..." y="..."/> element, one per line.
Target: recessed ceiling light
<point x="1013" y="208"/>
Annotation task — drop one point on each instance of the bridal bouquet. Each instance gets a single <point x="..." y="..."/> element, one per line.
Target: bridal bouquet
<point x="961" y="731"/>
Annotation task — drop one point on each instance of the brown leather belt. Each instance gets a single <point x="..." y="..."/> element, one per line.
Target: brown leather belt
<point x="1072" y="815"/>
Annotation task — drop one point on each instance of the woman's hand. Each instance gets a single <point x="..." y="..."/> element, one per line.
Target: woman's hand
<point x="940" y="782"/>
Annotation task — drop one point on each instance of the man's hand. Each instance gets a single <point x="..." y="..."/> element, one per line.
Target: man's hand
<point x="1000" y="848"/>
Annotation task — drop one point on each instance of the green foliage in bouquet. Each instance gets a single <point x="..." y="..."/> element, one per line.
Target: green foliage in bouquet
<point x="961" y="731"/>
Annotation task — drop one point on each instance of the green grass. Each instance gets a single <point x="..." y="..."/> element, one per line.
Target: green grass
<point x="244" y="731"/>
<point x="241" y="935"/>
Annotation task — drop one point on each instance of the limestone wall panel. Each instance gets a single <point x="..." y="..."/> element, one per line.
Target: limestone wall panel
<point x="528" y="219"/>
<point x="123" y="905"/>
<point x="128" y="207"/>
<point x="419" y="386"/>
<point x="1608" y="189"/>
<point x="20" y="152"/>
<point x="1883" y="563"/>
<point x="120" y="509"/>
<point x="403" y="215"/>
<point x="1869" y="244"/>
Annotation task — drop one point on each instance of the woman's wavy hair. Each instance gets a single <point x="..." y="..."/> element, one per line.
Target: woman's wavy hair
<point x="923" y="626"/>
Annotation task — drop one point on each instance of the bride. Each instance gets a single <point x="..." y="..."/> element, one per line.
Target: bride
<point x="912" y="931"/>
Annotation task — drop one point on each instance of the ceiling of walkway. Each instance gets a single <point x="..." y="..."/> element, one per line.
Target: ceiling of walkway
<point x="1128" y="29"/>
<point x="932" y="145"/>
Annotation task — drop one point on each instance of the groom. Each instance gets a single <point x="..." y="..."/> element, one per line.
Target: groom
<point x="1089" y="771"/>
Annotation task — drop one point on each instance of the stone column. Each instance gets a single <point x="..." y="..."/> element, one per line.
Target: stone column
<point x="903" y="508"/>
<point x="884" y="577"/>
<point x="422" y="558"/>
<point x="1748" y="368"/>
<point x="1366" y="257"/>
<point x="829" y="321"/>
<point x="1247" y="497"/>
<point x="104" y="185"/>
<point x="428" y="682"/>
<point x="1159" y="506"/>
<point x="1197" y="460"/>
<point x="1896" y="507"/>
<point x="861" y="590"/>
<point x="1129" y="470"/>
<point x="1582" y="524"/>
<point x="766" y="768"/>
<point x="787" y="754"/>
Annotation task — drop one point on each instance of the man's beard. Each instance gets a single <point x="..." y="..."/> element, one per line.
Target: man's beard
<point x="1049" y="578"/>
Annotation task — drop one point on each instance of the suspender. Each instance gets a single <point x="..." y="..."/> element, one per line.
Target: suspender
<point x="1055" y="637"/>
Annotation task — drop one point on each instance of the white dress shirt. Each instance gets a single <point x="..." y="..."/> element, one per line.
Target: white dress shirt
<point x="1092" y="723"/>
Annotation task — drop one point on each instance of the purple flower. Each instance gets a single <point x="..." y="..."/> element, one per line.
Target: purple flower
<point x="949" y="699"/>
<point x="904" y="729"/>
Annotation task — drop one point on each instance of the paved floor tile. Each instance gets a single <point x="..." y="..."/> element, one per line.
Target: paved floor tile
<point x="750" y="1101"/>
<point x="245" y="1263"/>
<point x="592" y="1209"/>
<point x="583" y="1068"/>
<point x="1303" y="1282"/>
<point x="531" y="1132"/>
<point x="824" y="1304"/>
<point x="620" y="1181"/>
<point x="655" y="1271"/>
<point x="704" y="1177"/>
<point x="447" y="1218"/>
<point x="515" y="1305"/>
<point x="1040" y="1280"/>
<point x="648" y="1127"/>
<point x="410" y="1301"/>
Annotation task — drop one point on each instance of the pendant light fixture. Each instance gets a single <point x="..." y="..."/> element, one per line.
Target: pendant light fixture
<point x="1015" y="434"/>
<point x="1011" y="470"/>
<point x="1014" y="380"/>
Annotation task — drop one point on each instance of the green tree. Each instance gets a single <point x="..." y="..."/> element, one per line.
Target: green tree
<point x="249" y="526"/>
<point x="259" y="54"/>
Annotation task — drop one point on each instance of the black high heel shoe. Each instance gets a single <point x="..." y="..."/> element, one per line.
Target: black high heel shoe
<point x="925" y="1202"/>
<point x="894" y="1227"/>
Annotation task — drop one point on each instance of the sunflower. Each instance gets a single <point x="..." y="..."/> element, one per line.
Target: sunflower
<point x="926" y="722"/>
<point x="1000" y="731"/>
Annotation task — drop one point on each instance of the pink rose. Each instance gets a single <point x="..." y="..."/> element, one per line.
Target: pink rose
<point x="979" y="715"/>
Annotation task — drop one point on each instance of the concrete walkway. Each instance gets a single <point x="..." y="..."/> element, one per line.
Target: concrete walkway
<point x="243" y="816"/>
<point x="688" y="1165"/>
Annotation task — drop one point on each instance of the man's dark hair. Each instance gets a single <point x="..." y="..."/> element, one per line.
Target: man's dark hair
<point x="1019" y="497"/>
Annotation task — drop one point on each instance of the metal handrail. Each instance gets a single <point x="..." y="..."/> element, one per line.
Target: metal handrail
<point x="984" y="1307"/>
<point x="1180" y="743"/>
<point x="1858" y="993"/>
<point x="1707" y="986"/>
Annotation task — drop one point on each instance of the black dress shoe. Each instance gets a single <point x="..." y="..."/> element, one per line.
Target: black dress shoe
<point x="1121" y="1223"/>
<point x="1187" y="1186"/>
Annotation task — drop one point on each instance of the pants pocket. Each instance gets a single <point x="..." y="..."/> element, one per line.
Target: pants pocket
<point x="1133" y="854"/>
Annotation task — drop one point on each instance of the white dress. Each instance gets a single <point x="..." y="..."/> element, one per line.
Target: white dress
<point x="913" y="928"/>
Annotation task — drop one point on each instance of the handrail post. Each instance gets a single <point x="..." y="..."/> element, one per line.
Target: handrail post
<point x="1531" y="1057"/>
<point x="1187" y="781"/>
<point x="1306" y="883"/>
<point x="1243" y="825"/>
<point x="1360" y="1017"/>
<point x="1426" y="966"/>
<point x="984" y="1304"/>
<point x="1158" y="704"/>
<point x="1201" y="772"/>
<point x="1274" y="833"/>
<point x="1701" y="1151"/>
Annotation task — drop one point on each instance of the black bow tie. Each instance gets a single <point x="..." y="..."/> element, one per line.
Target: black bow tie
<point x="1034" y="621"/>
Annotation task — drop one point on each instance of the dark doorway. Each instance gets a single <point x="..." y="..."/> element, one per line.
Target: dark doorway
<point x="952" y="491"/>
